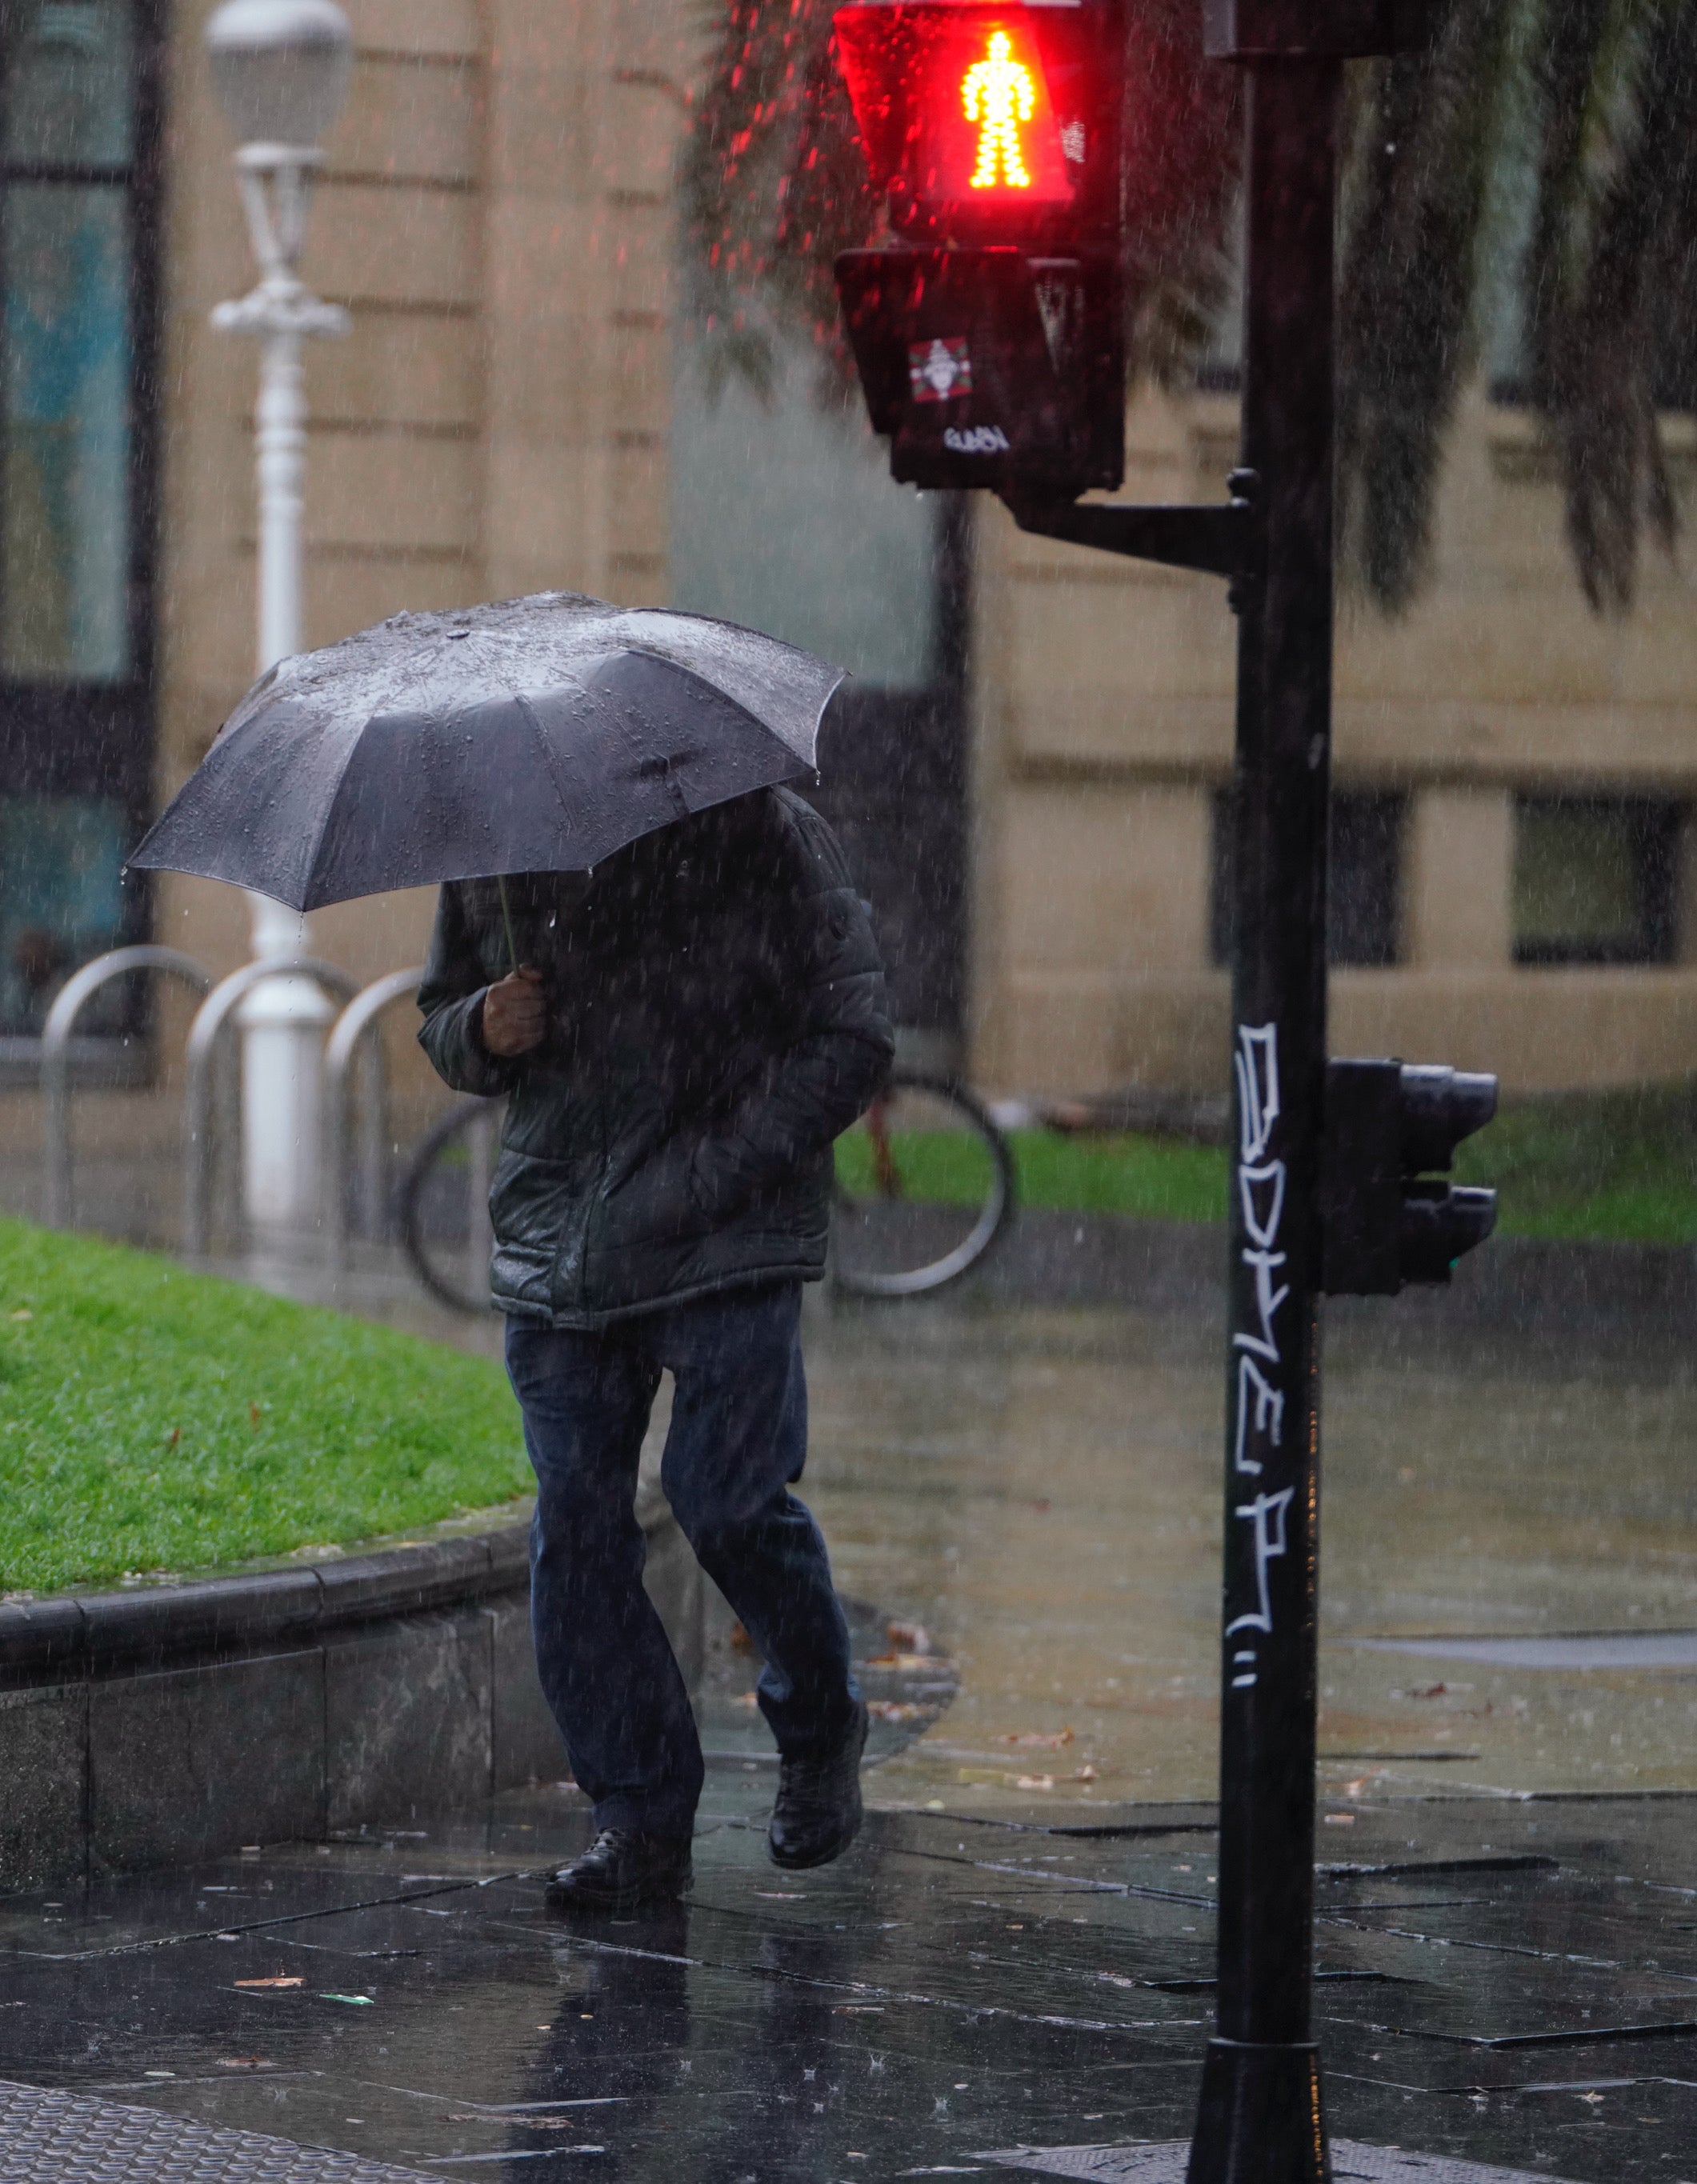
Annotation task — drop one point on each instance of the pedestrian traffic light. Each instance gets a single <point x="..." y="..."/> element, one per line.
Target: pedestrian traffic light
<point x="988" y="123"/>
<point x="989" y="338"/>
<point x="1392" y="1128"/>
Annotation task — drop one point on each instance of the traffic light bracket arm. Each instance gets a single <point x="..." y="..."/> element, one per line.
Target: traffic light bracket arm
<point x="1221" y="539"/>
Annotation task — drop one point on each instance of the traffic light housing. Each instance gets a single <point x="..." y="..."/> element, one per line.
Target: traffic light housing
<point x="990" y="336"/>
<point x="1388" y="1218"/>
<point x="989" y="366"/>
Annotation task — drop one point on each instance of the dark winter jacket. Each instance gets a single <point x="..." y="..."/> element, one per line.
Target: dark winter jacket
<point x="717" y="1019"/>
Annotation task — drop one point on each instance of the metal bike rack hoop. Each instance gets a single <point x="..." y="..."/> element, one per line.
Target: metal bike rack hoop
<point x="357" y="1019"/>
<point x="210" y="1019"/>
<point x="56" y="1033"/>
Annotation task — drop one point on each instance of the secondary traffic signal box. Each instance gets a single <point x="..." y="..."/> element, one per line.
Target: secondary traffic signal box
<point x="990" y="336"/>
<point x="1388" y="1218"/>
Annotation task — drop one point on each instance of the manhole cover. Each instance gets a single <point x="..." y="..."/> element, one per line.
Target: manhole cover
<point x="51" y="2137"/>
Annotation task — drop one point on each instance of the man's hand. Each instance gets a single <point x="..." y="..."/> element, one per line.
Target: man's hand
<point x="515" y="1014"/>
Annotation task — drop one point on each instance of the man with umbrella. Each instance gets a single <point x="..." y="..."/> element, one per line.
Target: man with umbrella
<point x="677" y="987"/>
<point x="687" y="1035"/>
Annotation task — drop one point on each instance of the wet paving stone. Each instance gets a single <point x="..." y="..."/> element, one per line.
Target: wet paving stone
<point x="952" y="1999"/>
<point x="1011" y="1972"/>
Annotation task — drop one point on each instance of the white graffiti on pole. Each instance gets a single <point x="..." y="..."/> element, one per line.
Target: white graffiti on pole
<point x="1259" y="1426"/>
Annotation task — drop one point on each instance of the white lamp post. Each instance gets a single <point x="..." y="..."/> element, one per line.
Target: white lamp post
<point x="280" y="70"/>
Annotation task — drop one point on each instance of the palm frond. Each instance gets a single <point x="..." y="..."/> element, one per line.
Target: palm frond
<point x="747" y="123"/>
<point x="1183" y="139"/>
<point x="1619" y="230"/>
<point x="1420" y="166"/>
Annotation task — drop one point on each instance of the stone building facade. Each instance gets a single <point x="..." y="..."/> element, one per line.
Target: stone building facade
<point x="1514" y="775"/>
<point x="498" y="214"/>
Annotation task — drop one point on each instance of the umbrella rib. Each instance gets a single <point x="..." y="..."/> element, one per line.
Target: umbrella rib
<point x="536" y="729"/>
<point x="329" y="813"/>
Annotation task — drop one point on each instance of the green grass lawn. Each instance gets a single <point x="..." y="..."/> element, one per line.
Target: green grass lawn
<point x="153" y="1419"/>
<point x="1614" y="1164"/>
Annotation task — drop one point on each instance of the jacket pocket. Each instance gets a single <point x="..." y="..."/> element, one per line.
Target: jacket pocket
<point x="656" y="1200"/>
<point x="533" y="1209"/>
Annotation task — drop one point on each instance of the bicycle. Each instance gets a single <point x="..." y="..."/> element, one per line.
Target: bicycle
<point x="924" y="1188"/>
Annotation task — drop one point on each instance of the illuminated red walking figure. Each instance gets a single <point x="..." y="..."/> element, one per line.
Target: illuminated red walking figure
<point x="997" y="93"/>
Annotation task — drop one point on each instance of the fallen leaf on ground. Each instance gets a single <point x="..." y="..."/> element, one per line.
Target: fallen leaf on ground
<point x="243" y="2063"/>
<point x="1340" y="1819"/>
<point x="253" y="1416"/>
<point x="895" y="1709"/>
<point x="1086" y="1773"/>
<point x="25" y="1314"/>
<point x="901" y="1660"/>
<point x="282" y="1979"/>
<point x="908" y="1637"/>
<point x="173" y="1436"/>
<point x="1035" y="1782"/>
<point x="1046" y="1740"/>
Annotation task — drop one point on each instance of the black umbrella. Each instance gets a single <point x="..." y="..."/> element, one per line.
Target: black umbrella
<point x="531" y="735"/>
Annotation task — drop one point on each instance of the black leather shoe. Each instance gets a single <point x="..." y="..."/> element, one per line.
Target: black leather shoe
<point x="817" y="1812"/>
<point x="620" y="1870"/>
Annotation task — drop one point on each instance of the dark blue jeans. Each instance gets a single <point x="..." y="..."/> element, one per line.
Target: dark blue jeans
<point x="738" y="1439"/>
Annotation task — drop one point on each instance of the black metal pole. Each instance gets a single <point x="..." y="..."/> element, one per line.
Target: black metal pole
<point x="1260" y="2120"/>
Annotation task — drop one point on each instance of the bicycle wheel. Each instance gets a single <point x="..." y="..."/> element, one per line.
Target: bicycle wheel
<point x="924" y="1186"/>
<point x="444" y="1204"/>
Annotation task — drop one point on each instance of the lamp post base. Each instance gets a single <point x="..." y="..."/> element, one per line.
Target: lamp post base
<point x="283" y="1022"/>
<point x="1259" y="2121"/>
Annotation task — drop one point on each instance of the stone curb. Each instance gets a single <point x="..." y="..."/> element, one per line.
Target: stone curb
<point x="90" y="1634"/>
<point x="173" y="1722"/>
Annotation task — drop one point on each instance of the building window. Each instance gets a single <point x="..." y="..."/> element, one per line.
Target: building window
<point x="78" y="140"/>
<point x="1594" y="879"/>
<point x="1364" y="909"/>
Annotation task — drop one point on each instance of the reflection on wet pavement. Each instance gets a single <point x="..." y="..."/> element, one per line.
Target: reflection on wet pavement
<point x="1018" y="1956"/>
<point x="1042" y="1492"/>
<point x="1515" y="1983"/>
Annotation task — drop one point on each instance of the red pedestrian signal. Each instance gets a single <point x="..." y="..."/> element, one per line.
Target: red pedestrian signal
<point x="999" y="98"/>
<point x="954" y="106"/>
<point x="989" y="339"/>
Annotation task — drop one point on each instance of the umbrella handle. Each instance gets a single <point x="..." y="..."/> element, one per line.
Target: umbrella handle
<point x="506" y="919"/>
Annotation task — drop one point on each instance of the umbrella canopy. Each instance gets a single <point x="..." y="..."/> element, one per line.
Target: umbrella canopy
<point x="533" y="735"/>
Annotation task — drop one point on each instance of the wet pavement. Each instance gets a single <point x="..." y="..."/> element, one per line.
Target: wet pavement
<point x="1040" y="1491"/>
<point x="1507" y="1943"/>
<point x="1515" y="1984"/>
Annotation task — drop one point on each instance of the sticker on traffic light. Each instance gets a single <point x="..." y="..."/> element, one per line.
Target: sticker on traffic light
<point x="965" y="370"/>
<point x="939" y="370"/>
